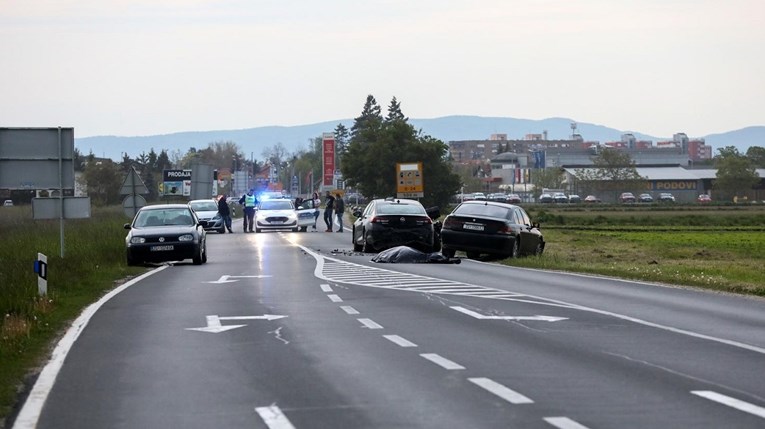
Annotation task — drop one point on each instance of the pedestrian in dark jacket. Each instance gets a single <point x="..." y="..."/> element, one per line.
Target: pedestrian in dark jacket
<point x="329" y="202"/>
<point x="225" y="212"/>
<point x="339" y="211"/>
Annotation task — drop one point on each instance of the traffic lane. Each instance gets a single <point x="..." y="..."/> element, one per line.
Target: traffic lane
<point x="725" y="316"/>
<point x="137" y="364"/>
<point x="591" y="368"/>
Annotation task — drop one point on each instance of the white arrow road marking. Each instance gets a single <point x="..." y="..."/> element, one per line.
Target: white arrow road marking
<point x="481" y="316"/>
<point x="214" y="326"/>
<point x="225" y="279"/>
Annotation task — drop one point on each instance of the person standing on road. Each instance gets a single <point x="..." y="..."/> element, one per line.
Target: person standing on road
<point x="249" y="201"/>
<point x="225" y="212"/>
<point x="316" y="204"/>
<point x="329" y="202"/>
<point x="339" y="211"/>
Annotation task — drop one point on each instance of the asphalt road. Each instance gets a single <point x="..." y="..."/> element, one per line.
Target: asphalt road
<point x="282" y="330"/>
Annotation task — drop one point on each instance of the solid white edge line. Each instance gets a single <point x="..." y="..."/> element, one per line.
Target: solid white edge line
<point x="369" y="323"/>
<point x="30" y="412"/>
<point x="274" y="418"/>
<point x="442" y="361"/>
<point x="398" y="340"/>
<point x="731" y="402"/>
<point x="564" y="423"/>
<point x="335" y="298"/>
<point x="503" y="392"/>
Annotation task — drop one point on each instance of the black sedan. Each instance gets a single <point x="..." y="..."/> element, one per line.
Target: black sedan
<point x="166" y="232"/>
<point x="482" y="227"/>
<point x="392" y="222"/>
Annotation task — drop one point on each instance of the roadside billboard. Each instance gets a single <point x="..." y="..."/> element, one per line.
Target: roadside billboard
<point x="328" y="165"/>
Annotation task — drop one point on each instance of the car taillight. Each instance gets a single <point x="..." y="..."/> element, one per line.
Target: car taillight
<point x="378" y="219"/>
<point x="505" y="229"/>
<point x="450" y="223"/>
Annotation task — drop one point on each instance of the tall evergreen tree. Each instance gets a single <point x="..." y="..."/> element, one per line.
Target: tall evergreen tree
<point x="377" y="146"/>
<point x="341" y="140"/>
<point x="394" y="112"/>
<point x="366" y="125"/>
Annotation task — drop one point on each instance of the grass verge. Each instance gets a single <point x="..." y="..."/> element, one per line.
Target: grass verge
<point x="94" y="258"/>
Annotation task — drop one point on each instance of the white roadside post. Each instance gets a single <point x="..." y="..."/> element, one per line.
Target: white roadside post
<point x="41" y="268"/>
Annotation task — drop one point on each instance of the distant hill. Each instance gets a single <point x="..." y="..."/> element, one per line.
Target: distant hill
<point x="448" y="128"/>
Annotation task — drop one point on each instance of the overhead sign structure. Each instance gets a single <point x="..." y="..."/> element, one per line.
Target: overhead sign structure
<point x="328" y="165"/>
<point x="409" y="180"/>
<point x="36" y="158"/>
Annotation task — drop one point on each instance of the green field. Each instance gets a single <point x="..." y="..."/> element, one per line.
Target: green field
<point x="720" y="248"/>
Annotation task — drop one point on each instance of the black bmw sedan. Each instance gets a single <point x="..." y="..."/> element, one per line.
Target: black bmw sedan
<point x="166" y="232"/>
<point x="485" y="227"/>
<point x="391" y="222"/>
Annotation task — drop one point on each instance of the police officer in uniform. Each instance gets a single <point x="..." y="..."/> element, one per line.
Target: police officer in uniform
<point x="249" y="201"/>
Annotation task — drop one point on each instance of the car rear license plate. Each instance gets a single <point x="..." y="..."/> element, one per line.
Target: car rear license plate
<point x="161" y="248"/>
<point x="472" y="227"/>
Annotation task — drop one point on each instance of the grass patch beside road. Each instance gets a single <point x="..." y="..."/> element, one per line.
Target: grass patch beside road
<point x="708" y="255"/>
<point x="94" y="257"/>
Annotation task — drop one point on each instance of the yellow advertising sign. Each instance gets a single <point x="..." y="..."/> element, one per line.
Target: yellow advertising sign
<point x="409" y="180"/>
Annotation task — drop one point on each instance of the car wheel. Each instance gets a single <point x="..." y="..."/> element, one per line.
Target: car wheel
<point x="473" y="255"/>
<point x="303" y="228"/>
<point x="222" y="230"/>
<point x="539" y="249"/>
<point x="516" y="251"/>
<point x="197" y="259"/>
<point x="365" y="247"/>
<point x="204" y="254"/>
<point x="132" y="262"/>
<point x="356" y="246"/>
<point x="257" y="230"/>
<point x="449" y="253"/>
<point x="296" y="229"/>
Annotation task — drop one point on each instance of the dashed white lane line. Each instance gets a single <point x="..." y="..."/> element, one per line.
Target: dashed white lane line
<point x="564" y="423"/>
<point x="335" y="298"/>
<point x="403" y="342"/>
<point x="349" y="310"/>
<point x="731" y="402"/>
<point x="442" y="361"/>
<point x="326" y="288"/>
<point x="369" y="323"/>
<point x="503" y="392"/>
<point x="274" y="418"/>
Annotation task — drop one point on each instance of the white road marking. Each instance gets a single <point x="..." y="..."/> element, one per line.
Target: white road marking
<point x="442" y="361"/>
<point x="503" y="392"/>
<point x="326" y="288"/>
<point x="348" y="309"/>
<point x="564" y="423"/>
<point x="30" y="412"/>
<point x="369" y="323"/>
<point x="335" y="298"/>
<point x="481" y="316"/>
<point x="332" y="269"/>
<point x="403" y="342"/>
<point x="274" y="418"/>
<point x="731" y="402"/>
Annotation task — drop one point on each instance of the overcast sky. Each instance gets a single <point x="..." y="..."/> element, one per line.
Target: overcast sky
<point x="144" y="67"/>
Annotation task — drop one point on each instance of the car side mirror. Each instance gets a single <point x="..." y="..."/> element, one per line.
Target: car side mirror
<point x="126" y="226"/>
<point x="535" y="225"/>
<point x="357" y="213"/>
